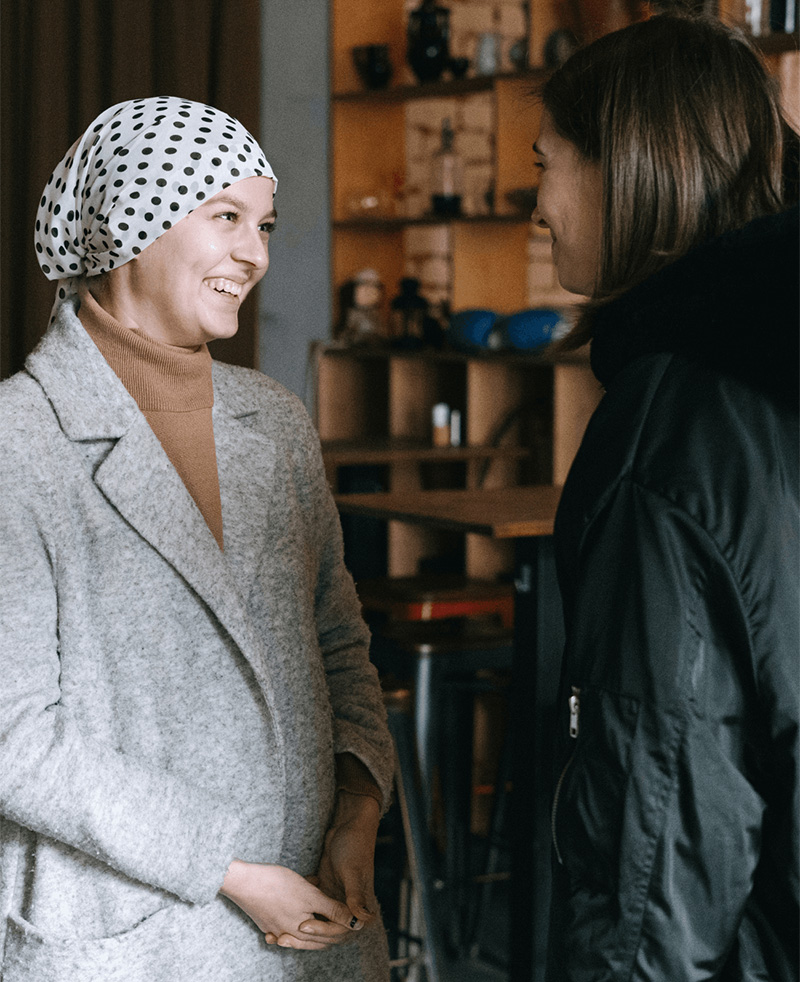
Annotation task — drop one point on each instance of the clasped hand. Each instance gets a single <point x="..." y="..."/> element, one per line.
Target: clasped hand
<point x="315" y="912"/>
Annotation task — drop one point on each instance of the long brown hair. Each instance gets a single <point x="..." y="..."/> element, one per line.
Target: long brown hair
<point x="685" y="123"/>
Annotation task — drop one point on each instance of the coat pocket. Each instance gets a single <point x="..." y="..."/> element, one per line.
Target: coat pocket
<point x="588" y="818"/>
<point x="179" y="943"/>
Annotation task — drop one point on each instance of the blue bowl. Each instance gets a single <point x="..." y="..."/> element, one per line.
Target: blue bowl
<point x="530" y="329"/>
<point x="470" y="329"/>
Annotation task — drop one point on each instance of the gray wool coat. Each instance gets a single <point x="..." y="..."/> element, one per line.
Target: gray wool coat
<point x="165" y="707"/>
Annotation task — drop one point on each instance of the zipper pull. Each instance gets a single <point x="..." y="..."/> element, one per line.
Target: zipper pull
<point x="574" y="711"/>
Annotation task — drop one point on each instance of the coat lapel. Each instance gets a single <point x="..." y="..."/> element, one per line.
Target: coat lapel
<point x="250" y="474"/>
<point x="140" y="482"/>
<point x="136" y="477"/>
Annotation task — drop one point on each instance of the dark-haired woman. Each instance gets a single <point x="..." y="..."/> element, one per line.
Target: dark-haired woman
<point x="190" y="730"/>
<point x="675" y="816"/>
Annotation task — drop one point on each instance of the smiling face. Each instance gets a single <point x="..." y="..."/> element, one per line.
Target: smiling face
<point x="187" y="286"/>
<point x="569" y="205"/>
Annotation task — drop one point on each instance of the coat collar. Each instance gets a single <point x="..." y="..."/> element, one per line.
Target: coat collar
<point x="731" y="304"/>
<point x="89" y="399"/>
<point x="138" y="480"/>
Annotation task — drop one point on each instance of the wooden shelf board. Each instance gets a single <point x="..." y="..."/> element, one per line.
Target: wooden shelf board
<point x="579" y="357"/>
<point x="340" y="453"/>
<point x="768" y="44"/>
<point x="438" y="90"/>
<point x="778" y="43"/>
<point x="393" y="224"/>
<point x="501" y="513"/>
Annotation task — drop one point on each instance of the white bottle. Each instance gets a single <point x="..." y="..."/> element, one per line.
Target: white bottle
<point x="455" y="428"/>
<point x="441" y="425"/>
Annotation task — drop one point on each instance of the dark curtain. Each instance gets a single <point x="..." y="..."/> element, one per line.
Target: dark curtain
<point x="62" y="63"/>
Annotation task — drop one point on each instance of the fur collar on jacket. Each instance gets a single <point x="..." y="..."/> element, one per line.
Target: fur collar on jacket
<point x="731" y="304"/>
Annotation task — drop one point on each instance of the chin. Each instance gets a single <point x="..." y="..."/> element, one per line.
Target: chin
<point x="218" y="332"/>
<point x="570" y="287"/>
<point x="578" y="287"/>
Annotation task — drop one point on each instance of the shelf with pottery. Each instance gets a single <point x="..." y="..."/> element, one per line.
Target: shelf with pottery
<point x="522" y="418"/>
<point x="441" y="89"/>
<point x="369" y="145"/>
<point x="488" y="241"/>
<point x="488" y="249"/>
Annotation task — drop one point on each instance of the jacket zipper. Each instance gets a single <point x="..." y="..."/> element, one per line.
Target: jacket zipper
<point x="574" y="726"/>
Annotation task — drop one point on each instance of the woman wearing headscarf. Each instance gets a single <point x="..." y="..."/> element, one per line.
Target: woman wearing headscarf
<point x="193" y="749"/>
<point x="675" y="818"/>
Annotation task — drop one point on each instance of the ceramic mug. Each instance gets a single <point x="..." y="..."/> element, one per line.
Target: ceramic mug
<point x="373" y="65"/>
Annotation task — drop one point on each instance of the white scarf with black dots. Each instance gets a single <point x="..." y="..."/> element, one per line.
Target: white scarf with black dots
<point x="139" y="168"/>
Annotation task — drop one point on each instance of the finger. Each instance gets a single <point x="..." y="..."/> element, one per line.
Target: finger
<point x="356" y="904"/>
<point x="303" y="944"/>
<point x="270" y="938"/>
<point x="323" y="929"/>
<point x="338" y="913"/>
<point x="330" y="886"/>
<point x="357" y="897"/>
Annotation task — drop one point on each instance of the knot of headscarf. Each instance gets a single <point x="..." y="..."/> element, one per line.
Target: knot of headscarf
<point x="139" y="168"/>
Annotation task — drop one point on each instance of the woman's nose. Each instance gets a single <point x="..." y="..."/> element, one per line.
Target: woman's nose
<point x="251" y="247"/>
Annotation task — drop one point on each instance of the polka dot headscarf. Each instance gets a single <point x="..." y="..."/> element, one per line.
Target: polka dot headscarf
<point x="139" y="168"/>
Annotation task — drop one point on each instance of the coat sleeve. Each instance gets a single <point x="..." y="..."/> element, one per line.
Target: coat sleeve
<point x="57" y="781"/>
<point x="359" y="715"/>
<point x="659" y="818"/>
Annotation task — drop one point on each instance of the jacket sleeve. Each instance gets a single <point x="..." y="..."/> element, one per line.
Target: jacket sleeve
<point x="359" y="715"/>
<point x="658" y="817"/>
<point x="55" y="779"/>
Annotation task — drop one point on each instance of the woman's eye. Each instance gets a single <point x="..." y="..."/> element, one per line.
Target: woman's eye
<point x="229" y="216"/>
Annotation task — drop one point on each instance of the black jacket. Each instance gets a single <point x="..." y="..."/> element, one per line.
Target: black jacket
<point x="675" y="817"/>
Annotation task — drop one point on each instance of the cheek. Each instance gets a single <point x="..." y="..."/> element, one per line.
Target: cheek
<point x="207" y="248"/>
<point x="205" y="243"/>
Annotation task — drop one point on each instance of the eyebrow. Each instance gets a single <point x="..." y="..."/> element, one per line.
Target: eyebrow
<point x="230" y="199"/>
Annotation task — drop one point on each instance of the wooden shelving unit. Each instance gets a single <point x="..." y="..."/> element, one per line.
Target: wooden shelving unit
<point x="374" y="404"/>
<point x="522" y="420"/>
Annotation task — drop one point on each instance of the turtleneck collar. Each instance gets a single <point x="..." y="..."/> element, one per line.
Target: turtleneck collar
<point x="160" y="377"/>
<point x="731" y="304"/>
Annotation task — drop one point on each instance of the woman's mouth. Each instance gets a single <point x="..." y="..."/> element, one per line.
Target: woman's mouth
<point x="225" y="287"/>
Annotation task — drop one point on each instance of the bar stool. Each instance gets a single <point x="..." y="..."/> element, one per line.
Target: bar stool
<point x="444" y="662"/>
<point x="420" y="938"/>
<point x="431" y="657"/>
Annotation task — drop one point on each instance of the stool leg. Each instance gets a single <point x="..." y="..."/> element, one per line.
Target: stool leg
<point x="425" y="729"/>
<point x="457" y="793"/>
<point x="496" y="825"/>
<point x="417" y="843"/>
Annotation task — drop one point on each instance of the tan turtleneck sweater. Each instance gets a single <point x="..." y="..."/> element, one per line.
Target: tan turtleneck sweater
<point x="172" y="387"/>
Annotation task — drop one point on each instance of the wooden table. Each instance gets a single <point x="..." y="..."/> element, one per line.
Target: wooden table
<point x="526" y="515"/>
